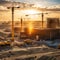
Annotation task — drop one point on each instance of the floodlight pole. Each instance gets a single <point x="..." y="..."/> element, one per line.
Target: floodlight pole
<point x="21" y="24"/>
<point x="12" y="23"/>
<point x="42" y="14"/>
<point x="42" y="19"/>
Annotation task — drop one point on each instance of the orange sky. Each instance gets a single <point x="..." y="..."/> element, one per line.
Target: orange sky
<point x="6" y="15"/>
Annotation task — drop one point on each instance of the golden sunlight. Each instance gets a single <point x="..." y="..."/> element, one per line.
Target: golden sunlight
<point x="30" y="28"/>
<point x="30" y="11"/>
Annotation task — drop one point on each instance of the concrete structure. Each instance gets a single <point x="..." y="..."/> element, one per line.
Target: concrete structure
<point x="53" y="22"/>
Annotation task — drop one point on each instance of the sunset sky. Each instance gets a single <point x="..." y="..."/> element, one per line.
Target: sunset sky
<point x="18" y="14"/>
<point x="39" y="3"/>
<point x="43" y="2"/>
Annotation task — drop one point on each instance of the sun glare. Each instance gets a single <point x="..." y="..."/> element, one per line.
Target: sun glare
<point x="30" y="28"/>
<point x="39" y="5"/>
<point x="31" y="11"/>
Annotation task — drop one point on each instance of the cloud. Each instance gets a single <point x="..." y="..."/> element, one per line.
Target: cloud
<point x="2" y="0"/>
<point x="38" y="3"/>
<point x="3" y="8"/>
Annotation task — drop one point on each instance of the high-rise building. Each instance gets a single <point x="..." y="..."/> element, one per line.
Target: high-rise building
<point x="52" y="22"/>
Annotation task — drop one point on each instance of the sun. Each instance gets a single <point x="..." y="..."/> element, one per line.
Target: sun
<point x="30" y="28"/>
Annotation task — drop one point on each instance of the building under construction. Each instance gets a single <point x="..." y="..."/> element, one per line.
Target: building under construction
<point x="50" y="30"/>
